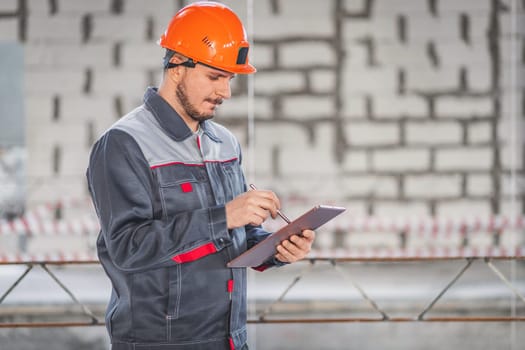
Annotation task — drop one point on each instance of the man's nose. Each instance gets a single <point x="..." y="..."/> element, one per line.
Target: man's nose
<point x="224" y="89"/>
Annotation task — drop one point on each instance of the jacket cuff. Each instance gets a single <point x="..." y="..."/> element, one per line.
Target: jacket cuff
<point x="272" y="262"/>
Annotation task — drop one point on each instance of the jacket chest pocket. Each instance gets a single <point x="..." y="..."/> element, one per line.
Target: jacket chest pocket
<point x="182" y="188"/>
<point x="232" y="179"/>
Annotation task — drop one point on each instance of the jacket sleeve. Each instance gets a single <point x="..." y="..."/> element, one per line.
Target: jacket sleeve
<point x="135" y="236"/>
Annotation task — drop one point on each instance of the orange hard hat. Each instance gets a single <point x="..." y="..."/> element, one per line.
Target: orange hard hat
<point x="209" y="33"/>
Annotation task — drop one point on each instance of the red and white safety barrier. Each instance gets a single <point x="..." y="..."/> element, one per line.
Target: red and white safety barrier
<point x="417" y="253"/>
<point x="33" y="224"/>
<point x="47" y="257"/>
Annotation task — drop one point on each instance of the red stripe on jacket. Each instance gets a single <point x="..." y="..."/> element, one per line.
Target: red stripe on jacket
<point x="196" y="253"/>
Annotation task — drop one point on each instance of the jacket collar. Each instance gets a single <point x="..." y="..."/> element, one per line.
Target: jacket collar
<point x="170" y="120"/>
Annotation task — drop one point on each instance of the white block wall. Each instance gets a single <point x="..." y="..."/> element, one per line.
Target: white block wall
<point x="403" y="106"/>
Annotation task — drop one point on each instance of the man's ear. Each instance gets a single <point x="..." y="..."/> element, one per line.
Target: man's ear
<point x="176" y="72"/>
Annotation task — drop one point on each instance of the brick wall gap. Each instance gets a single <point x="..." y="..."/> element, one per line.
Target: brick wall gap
<point x="88" y="81"/>
<point x="117" y="7"/>
<point x="432" y="7"/>
<point x="117" y="54"/>
<point x="53" y="7"/>
<point x="55" y="115"/>
<point x="57" y="158"/>
<point x="150" y="28"/>
<point x="118" y="106"/>
<point x="464" y="27"/>
<point x="402" y="29"/>
<point x="87" y="27"/>
<point x="432" y="54"/>
<point x="22" y="22"/>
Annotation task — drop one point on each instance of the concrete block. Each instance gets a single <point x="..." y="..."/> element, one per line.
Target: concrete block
<point x="479" y="78"/>
<point x="310" y="162"/>
<point x="463" y="107"/>
<point x="306" y="54"/>
<point x="400" y="159"/>
<point x="130" y="82"/>
<point x="39" y="162"/>
<point x="459" y="53"/>
<point x="74" y="161"/>
<point x="261" y="56"/>
<point x="82" y="6"/>
<point x="54" y="81"/>
<point x="307" y="10"/>
<point x="71" y="135"/>
<point x="433" y="133"/>
<point x="274" y="83"/>
<point x="394" y="7"/>
<point x="510" y="51"/>
<point x="479" y="185"/>
<point x="305" y="107"/>
<point x="370" y="186"/>
<point x="464" y="6"/>
<point x="283" y="134"/>
<point x="81" y="108"/>
<point x="38" y="110"/>
<point x="322" y="81"/>
<point x="432" y="186"/>
<point x="479" y="133"/>
<point x="355" y="161"/>
<point x="284" y="27"/>
<point x="369" y="81"/>
<point x="423" y="29"/>
<point x="38" y="7"/>
<point x="66" y="29"/>
<point x="430" y="79"/>
<point x="156" y="7"/>
<point x="379" y="28"/>
<point x="356" y="55"/>
<point x="59" y="187"/>
<point x="354" y="6"/>
<point x="324" y="137"/>
<point x="397" y="209"/>
<point x="42" y="54"/>
<point x="111" y="28"/>
<point x="354" y="107"/>
<point x="9" y="29"/>
<point x="389" y="106"/>
<point x="8" y="6"/>
<point x="394" y="53"/>
<point x="463" y="158"/>
<point x="238" y="107"/>
<point x="145" y="55"/>
<point x="372" y="134"/>
<point x="457" y="209"/>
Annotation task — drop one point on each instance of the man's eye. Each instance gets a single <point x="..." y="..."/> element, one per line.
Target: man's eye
<point x="213" y="77"/>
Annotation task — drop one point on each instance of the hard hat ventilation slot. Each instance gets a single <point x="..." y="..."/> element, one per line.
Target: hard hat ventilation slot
<point x="207" y="42"/>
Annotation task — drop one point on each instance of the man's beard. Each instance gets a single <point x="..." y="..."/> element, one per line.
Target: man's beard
<point x="190" y="109"/>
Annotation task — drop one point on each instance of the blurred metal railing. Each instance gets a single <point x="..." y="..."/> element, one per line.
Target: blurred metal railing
<point x="265" y="315"/>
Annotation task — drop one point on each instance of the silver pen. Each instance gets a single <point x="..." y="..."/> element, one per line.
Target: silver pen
<point x="284" y="217"/>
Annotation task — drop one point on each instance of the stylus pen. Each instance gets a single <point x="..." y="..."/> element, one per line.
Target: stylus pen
<point x="284" y="217"/>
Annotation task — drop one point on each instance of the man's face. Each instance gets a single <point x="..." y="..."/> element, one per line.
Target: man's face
<point x="202" y="89"/>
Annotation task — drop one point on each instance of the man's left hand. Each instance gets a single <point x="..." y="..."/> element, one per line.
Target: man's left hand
<point x="296" y="247"/>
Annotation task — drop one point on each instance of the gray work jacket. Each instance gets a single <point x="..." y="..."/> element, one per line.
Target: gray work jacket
<point x="160" y="191"/>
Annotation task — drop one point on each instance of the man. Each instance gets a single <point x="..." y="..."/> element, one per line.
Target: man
<point x="171" y="198"/>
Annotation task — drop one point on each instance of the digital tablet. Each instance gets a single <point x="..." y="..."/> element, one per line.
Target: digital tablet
<point x="311" y="220"/>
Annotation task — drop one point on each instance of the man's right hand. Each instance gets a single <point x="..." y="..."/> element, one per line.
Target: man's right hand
<point x="251" y="208"/>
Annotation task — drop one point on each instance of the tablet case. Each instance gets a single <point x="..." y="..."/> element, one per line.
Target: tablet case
<point x="311" y="220"/>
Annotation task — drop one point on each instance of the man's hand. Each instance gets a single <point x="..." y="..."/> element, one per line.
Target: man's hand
<point x="296" y="247"/>
<point x="251" y="208"/>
